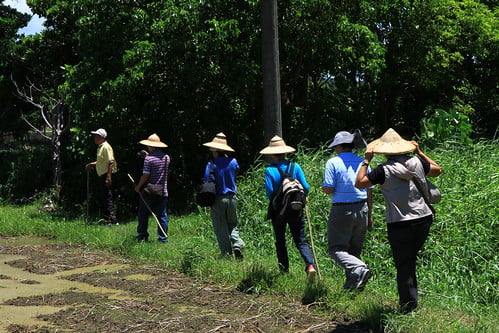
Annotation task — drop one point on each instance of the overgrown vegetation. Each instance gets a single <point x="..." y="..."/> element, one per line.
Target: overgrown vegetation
<point x="192" y="68"/>
<point x="458" y="271"/>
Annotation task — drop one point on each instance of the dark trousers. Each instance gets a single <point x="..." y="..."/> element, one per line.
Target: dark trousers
<point x="107" y="195"/>
<point x="406" y="239"/>
<point x="297" y="227"/>
<point x="158" y="206"/>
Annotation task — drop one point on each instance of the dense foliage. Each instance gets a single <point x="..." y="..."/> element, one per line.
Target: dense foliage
<point x="188" y="69"/>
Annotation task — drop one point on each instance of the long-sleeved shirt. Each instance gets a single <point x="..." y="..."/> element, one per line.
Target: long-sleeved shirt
<point x="224" y="170"/>
<point x="273" y="177"/>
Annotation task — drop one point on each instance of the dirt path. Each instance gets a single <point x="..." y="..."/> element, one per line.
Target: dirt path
<point x="62" y="288"/>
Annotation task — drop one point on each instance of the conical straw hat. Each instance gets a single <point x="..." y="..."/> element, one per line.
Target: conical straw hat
<point x="153" y="141"/>
<point x="391" y="143"/>
<point x="277" y="146"/>
<point x="219" y="142"/>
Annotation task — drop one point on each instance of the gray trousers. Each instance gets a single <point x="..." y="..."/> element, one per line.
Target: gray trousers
<point x="346" y="232"/>
<point x="224" y="220"/>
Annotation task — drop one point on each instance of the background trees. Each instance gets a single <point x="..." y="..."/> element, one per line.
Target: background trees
<point x="189" y="69"/>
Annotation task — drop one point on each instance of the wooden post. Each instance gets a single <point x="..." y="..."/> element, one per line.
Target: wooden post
<point x="271" y="73"/>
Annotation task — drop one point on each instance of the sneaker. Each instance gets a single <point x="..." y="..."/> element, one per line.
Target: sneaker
<point x="238" y="253"/>
<point x="311" y="272"/>
<point x="360" y="284"/>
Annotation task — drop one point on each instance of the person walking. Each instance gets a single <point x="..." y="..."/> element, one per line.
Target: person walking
<point x="276" y="151"/>
<point x="106" y="168"/>
<point x="222" y="169"/>
<point x="153" y="187"/>
<point x="351" y="210"/>
<point x="408" y="216"/>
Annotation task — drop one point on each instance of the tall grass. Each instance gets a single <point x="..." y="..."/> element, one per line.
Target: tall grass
<point x="458" y="270"/>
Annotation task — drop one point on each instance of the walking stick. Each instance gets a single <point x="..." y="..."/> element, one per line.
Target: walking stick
<point x="312" y="241"/>
<point x="149" y="208"/>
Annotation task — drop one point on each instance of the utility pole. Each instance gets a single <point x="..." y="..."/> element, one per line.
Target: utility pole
<point x="271" y="73"/>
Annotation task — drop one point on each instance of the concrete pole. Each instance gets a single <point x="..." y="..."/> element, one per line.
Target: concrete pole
<point x="271" y="73"/>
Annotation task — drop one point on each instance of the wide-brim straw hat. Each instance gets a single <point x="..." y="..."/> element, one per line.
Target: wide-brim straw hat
<point x="391" y="143"/>
<point x="219" y="142"/>
<point x="153" y="141"/>
<point x="277" y="146"/>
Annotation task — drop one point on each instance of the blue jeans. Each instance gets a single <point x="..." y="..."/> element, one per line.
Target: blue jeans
<point x="158" y="206"/>
<point x="296" y="224"/>
<point x="224" y="220"/>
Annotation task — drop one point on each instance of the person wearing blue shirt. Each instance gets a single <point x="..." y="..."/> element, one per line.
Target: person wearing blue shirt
<point x="276" y="151"/>
<point x="351" y="210"/>
<point x="222" y="169"/>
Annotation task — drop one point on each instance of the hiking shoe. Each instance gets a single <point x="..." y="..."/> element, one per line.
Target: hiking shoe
<point x="238" y="253"/>
<point x="311" y="272"/>
<point x="360" y="284"/>
<point x="141" y="238"/>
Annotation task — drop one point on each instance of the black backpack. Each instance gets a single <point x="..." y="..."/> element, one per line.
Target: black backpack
<point x="207" y="193"/>
<point x="291" y="195"/>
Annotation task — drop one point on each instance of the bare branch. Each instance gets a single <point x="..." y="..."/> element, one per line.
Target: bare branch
<point x="30" y="99"/>
<point x="23" y="117"/>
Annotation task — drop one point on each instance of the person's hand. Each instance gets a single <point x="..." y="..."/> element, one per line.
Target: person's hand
<point x="369" y="154"/>
<point x="88" y="166"/>
<point x="137" y="189"/>
<point x="109" y="182"/>
<point x="417" y="150"/>
<point x="142" y="154"/>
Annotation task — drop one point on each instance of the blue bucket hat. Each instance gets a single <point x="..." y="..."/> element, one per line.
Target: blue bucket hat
<point x="346" y="137"/>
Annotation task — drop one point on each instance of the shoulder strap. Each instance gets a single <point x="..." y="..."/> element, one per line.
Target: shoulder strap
<point x="291" y="168"/>
<point x="280" y="171"/>
<point x="212" y="173"/>
<point x="418" y="186"/>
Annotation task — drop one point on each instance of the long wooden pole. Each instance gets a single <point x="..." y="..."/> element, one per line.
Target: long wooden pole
<point x="312" y="241"/>
<point x="149" y="208"/>
<point x="271" y="72"/>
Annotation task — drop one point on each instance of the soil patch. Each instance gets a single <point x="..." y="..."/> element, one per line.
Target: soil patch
<point x="112" y="294"/>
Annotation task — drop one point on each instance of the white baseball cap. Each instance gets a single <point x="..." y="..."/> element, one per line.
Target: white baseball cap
<point x="101" y="132"/>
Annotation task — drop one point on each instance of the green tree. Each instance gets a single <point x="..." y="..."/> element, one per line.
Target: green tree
<point x="10" y="22"/>
<point x="189" y="69"/>
<point x="439" y="54"/>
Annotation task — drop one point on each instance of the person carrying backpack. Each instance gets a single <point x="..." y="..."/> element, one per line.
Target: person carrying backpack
<point x="286" y="203"/>
<point x="408" y="215"/>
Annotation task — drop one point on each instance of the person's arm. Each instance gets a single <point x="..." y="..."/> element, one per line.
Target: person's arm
<point x="142" y="181"/>
<point x="327" y="189"/>
<point x="370" y="208"/>
<point x="435" y="169"/>
<point x="328" y="185"/>
<point x="206" y="175"/>
<point x="90" y="165"/>
<point x="146" y="171"/>
<point x="362" y="181"/>
<point x="269" y="185"/>
<point x="109" y="180"/>
<point x="300" y="176"/>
